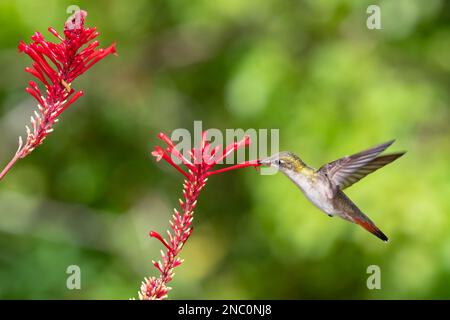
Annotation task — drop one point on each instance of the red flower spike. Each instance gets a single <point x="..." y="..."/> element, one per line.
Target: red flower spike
<point x="56" y="66"/>
<point x="199" y="164"/>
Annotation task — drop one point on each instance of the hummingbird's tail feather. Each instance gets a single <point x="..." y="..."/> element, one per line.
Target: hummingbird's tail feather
<point x="371" y="227"/>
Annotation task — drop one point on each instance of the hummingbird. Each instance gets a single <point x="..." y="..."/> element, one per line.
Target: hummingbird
<point x="324" y="187"/>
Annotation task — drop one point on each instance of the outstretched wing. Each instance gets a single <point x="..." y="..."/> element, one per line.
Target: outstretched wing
<point x="346" y="171"/>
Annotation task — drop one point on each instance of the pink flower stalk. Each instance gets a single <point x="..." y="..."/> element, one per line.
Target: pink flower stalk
<point x="56" y="66"/>
<point x="199" y="167"/>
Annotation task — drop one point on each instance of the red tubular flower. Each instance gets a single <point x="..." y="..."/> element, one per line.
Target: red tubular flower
<point x="199" y="167"/>
<point x="56" y="66"/>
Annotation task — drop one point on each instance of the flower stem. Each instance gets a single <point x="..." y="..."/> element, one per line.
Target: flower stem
<point x="9" y="165"/>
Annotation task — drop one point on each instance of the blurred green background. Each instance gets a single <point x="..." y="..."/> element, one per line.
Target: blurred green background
<point x="89" y="195"/>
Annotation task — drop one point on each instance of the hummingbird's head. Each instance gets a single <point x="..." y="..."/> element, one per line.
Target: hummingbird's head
<point x="284" y="161"/>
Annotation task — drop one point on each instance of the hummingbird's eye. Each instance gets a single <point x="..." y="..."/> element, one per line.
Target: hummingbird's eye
<point x="280" y="162"/>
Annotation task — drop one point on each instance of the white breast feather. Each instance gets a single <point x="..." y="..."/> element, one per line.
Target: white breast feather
<point x="316" y="192"/>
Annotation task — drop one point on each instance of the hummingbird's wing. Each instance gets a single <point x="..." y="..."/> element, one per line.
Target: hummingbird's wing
<point x="346" y="171"/>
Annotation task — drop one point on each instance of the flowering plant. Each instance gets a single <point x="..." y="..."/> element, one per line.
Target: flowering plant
<point x="199" y="164"/>
<point x="56" y="66"/>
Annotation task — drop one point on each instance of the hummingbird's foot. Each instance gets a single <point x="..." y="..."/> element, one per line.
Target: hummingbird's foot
<point x="330" y="215"/>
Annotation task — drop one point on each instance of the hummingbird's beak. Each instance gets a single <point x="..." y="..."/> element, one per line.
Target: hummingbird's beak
<point x="264" y="162"/>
